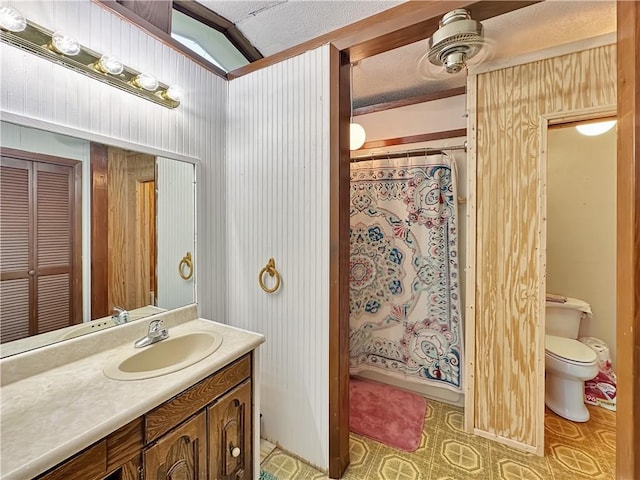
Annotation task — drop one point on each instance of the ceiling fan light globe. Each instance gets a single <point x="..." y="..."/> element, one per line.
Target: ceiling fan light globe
<point x="357" y="136"/>
<point x="454" y="62"/>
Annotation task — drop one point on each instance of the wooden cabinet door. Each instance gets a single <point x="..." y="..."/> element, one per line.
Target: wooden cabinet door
<point x="230" y="435"/>
<point x="181" y="454"/>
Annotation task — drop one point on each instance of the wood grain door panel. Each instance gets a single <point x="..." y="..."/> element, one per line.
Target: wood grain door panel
<point x="230" y="435"/>
<point x="181" y="454"/>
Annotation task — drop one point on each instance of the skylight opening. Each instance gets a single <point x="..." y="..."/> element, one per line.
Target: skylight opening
<point x="206" y="42"/>
<point x="195" y="47"/>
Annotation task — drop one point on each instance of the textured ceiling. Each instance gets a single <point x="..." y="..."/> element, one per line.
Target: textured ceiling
<point x="273" y="26"/>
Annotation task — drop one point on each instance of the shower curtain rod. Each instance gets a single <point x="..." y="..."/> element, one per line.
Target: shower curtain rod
<point x="417" y="152"/>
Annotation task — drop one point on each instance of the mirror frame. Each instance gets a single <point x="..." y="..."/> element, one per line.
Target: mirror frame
<point x="46" y="126"/>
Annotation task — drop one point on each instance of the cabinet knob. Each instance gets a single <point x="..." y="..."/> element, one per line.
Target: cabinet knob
<point x="32" y="272"/>
<point x="235" y="452"/>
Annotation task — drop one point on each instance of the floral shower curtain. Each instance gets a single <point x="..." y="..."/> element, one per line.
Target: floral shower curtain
<point x="405" y="295"/>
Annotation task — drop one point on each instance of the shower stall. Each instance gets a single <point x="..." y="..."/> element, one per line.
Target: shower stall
<point x="405" y="306"/>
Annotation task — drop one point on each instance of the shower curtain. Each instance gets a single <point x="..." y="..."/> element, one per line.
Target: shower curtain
<point x="404" y="290"/>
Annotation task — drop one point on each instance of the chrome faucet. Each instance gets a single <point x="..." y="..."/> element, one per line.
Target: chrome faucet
<point x="120" y="315"/>
<point x="155" y="334"/>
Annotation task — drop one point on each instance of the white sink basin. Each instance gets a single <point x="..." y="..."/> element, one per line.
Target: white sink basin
<point x="166" y="356"/>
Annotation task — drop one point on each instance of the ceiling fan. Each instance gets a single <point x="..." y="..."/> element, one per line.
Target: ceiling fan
<point x="458" y="43"/>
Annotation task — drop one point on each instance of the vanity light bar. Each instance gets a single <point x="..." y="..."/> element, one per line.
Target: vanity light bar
<point x="37" y="40"/>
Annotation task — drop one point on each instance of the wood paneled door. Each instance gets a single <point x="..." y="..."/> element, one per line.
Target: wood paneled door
<point x="180" y="454"/>
<point x="230" y="435"/>
<point x="123" y="230"/>
<point x="40" y="243"/>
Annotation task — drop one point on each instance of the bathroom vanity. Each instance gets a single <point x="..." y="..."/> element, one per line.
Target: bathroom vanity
<point x="62" y="417"/>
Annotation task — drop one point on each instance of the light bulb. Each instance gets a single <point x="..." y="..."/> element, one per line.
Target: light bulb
<point x="174" y="92"/>
<point x="109" y="64"/>
<point x="65" y="44"/>
<point x="12" y="20"/>
<point x="146" y="81"/>
<point x="593" y="129"/>
<point x="358" y="136"/>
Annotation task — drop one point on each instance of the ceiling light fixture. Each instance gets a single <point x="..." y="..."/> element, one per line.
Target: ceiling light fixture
<point x="12" y="20"/>
<point x="64" y="50"/>
<point x="593" y="129"/>
<point x="357" y="134"/>
<point x="458" y="39"/>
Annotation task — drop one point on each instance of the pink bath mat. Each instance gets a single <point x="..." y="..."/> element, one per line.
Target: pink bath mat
<point x="383" y="413"/>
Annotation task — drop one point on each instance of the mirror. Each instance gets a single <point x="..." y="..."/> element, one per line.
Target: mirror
<point x="86" y="227"/>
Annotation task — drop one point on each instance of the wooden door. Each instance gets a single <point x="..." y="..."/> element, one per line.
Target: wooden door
<point x="230" y="435"/>
<point x="130" y="185"/>
<point x="39" y="262"/>
<point x="180" y="454"/>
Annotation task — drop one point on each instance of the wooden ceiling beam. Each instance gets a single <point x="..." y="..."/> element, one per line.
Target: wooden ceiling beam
<point x="404" y="102"/>
<point x="424" y="137"/>
<point x="402" y="25"/>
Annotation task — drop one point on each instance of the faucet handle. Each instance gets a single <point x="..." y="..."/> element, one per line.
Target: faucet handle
<point x="154" y="325"/>
<point x="120" y="315"/>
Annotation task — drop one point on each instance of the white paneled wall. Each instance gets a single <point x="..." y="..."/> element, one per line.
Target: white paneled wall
<point x="175" y="223"/>
<point x="36" y="88"/>
<point x="278" y="206"/>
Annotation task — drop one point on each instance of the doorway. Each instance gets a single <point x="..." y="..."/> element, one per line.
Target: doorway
<point x="123" y="230"/>
<point x="581" y="285"/>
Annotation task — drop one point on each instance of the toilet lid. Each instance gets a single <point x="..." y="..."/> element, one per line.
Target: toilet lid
<point x="569" y="349"/>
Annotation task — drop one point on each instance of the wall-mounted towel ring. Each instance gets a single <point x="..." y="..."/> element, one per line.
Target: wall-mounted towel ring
<point x="185" y="267"/>
<point x="270" y="268"/>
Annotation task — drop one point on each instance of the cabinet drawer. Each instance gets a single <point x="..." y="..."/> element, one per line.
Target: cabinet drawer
<point x="90" y="464"/>
<point x="181" y="407"/>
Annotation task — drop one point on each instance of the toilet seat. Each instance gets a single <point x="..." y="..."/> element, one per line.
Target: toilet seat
<point x="569" y="350"/>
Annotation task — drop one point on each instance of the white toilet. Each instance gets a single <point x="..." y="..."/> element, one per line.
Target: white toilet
<point x="568" y="363"/>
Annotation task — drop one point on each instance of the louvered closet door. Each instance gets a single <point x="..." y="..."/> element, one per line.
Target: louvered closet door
<point x="36" y="248"/>
<point x="16" y="249"/>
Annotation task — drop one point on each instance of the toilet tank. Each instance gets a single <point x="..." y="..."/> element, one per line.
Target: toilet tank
<point x="563" y="319"/>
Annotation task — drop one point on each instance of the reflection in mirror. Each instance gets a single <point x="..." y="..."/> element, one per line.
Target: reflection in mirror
<point x="86" y="228"/>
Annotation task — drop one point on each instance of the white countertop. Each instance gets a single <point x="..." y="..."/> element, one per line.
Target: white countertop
<point x="43" y="339"/>
<point x="47" y="417"/>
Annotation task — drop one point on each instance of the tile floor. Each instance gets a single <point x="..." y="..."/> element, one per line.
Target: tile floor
<point x="573" y="451"/>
